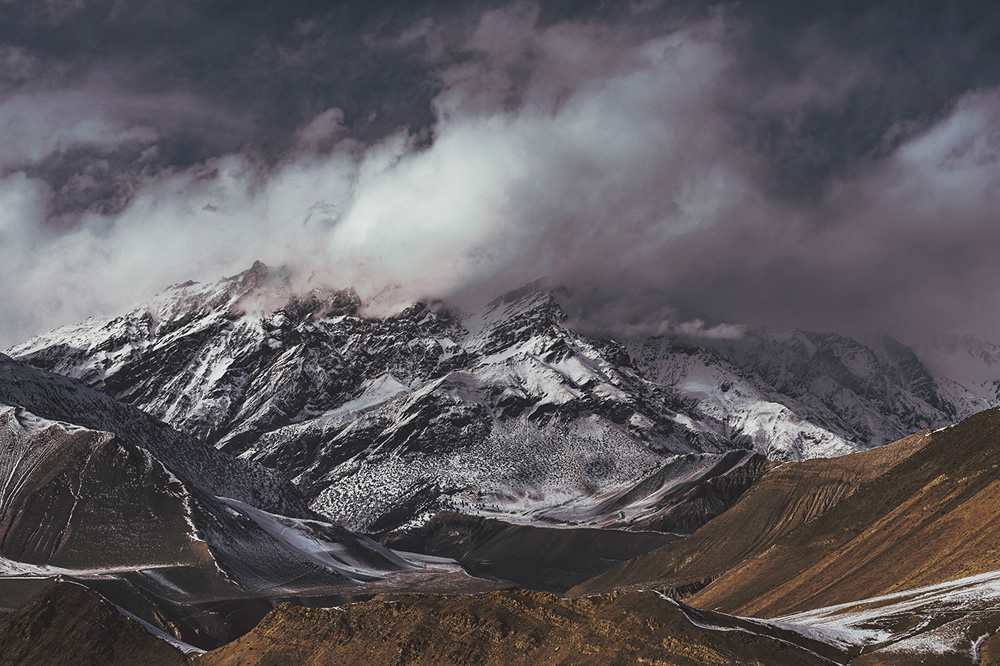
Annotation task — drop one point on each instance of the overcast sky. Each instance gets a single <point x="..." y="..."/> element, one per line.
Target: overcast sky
<point x="827" y="165"/>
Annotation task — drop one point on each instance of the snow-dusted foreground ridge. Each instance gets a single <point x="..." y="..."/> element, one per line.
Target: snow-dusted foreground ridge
<point x="89" y="486"/>
<point x="950" y="618"/>
<point x="947" y="622"/>
<point x="506" y="411"/>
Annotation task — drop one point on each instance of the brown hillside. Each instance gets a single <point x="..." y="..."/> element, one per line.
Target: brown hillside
<point x="513" y="627"/>
<point x="70" y="625"/>
<point x="917" y="512"/>
<point x="539" y="558"/>
<point x="783" y="500"/>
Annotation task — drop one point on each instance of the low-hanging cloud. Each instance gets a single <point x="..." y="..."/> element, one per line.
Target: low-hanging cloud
<point x="607" y="157"/>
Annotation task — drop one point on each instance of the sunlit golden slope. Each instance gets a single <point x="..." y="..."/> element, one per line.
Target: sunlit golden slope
<point x="917" y="512"/>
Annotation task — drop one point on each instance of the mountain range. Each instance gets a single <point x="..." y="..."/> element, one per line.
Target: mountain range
<point x="228" y="447"/>
<point x="505" y="412"/>
<point x="96" y="490"/>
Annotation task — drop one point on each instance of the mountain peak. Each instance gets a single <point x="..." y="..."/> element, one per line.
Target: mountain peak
<point x="254" y="276"/>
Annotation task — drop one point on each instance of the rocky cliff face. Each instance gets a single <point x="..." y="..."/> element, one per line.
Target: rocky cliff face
<point x="506" y="412"/>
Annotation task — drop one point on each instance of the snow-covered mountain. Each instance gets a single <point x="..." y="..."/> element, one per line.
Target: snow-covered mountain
<point x="799" y="394"/>
<point x="90" y="486"/>
<point x="967" y="359"/>
<point x="505" y="412"/>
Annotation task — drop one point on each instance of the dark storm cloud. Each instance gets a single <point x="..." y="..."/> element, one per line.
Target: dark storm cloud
<point x="835" y="78"/>
<point x="217" y="77"/>
<point x="824" y="86"/>
<point x="249" y="73"/>
<point x="673" y="164"/>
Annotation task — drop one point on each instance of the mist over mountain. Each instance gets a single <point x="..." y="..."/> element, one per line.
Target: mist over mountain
<point x="760" y="164"/>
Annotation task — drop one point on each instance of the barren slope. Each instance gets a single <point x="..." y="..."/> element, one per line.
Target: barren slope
<point x="919" y="512"/>
<point x="515" y="628"/>
<point x="553" y="559"/>
<point x="71" y="625"/>
<point x="786" y="498"/>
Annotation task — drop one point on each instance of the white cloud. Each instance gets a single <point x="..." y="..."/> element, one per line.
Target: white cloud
<point x="35" y="125"/>
<point x="589" y="154"/>
<point x="696" y="329"/>
<point x="614" y="151"/>
<point x="324" y="127"/>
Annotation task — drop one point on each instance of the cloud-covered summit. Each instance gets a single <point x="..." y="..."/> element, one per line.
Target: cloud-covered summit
<point x="755" y="163"/>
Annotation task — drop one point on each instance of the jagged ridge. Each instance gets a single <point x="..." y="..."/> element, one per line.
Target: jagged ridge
<point x="504" y="412"/>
